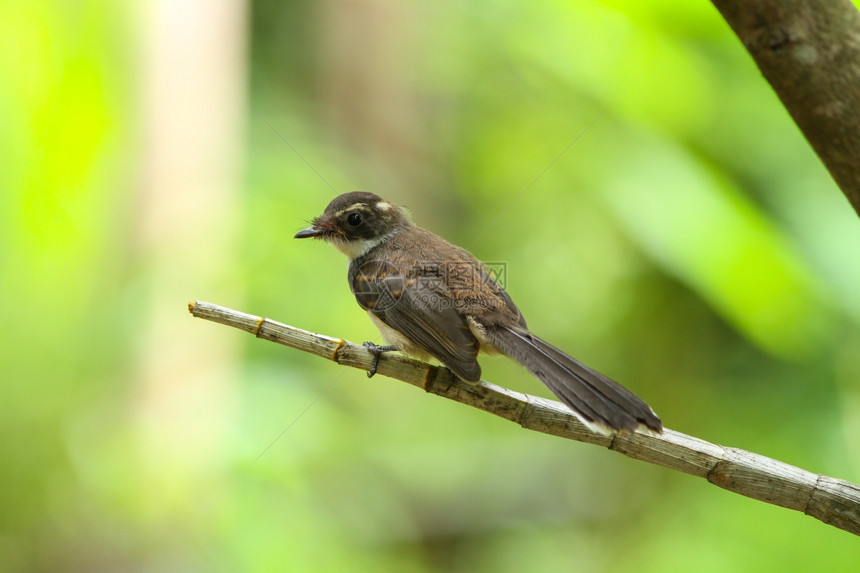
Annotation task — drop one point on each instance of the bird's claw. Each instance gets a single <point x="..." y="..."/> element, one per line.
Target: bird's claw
<point x="377" y="351"/>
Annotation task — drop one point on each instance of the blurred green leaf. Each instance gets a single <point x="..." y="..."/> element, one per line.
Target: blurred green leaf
<point x="701" y="230"/>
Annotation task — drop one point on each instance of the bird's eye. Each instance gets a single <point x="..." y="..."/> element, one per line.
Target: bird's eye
<point x="354" y="219"/>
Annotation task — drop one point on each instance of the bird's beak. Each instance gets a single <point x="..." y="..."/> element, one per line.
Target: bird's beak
<point x="312" y="232"/>
<point x="323" y="227"/>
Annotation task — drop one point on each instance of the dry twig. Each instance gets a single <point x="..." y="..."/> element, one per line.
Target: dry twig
<point x="833" y="501"/>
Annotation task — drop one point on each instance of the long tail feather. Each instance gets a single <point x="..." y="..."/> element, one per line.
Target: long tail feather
<point x="601" y="403"/>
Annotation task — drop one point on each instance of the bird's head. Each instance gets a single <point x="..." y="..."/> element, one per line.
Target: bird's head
<point x="356" y="222"/>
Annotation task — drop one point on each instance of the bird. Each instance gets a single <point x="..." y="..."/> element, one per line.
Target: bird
<point x="429" y="297"/>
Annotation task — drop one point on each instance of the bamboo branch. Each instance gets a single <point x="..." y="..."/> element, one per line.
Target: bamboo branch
<point x="833" y="501"/>
<point x="809" y="52"/>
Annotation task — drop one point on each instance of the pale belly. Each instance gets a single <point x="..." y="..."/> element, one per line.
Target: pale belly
<point x="394" y="338"/>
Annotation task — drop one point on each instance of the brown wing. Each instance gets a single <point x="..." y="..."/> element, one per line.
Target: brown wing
<point x="495" y="305"/>
<point x="421" y="308"/>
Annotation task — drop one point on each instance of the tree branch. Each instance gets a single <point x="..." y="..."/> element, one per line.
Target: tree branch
<point x="831" y="500"/>
<point x="809" y="52"/>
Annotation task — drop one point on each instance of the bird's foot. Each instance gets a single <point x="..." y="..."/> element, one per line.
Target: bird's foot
<point x="377" y="351"/>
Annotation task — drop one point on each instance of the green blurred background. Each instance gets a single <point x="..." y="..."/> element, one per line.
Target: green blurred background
<point x="660" y="217"/>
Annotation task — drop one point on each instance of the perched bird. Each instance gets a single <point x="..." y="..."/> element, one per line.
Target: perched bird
<point x="429" y="297"/>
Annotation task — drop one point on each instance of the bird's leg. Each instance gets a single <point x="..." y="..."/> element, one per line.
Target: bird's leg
<point x="377" y="351"/>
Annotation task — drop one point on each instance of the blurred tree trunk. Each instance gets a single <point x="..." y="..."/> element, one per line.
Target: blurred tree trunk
<point x="193" y="98"/>
<point x="809" y="51"/>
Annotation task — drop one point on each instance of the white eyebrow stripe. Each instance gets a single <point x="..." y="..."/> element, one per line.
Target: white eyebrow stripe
<point x="362" y="206"/>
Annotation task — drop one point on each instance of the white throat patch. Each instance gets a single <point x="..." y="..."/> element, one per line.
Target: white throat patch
<point x="359" y="247"/>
